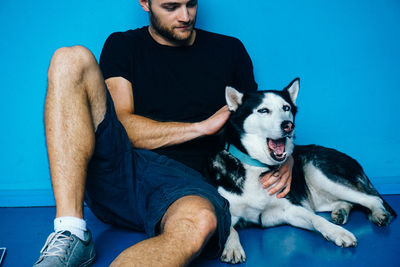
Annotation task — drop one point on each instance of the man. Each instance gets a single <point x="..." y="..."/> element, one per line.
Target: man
<point x="165" y="98"/>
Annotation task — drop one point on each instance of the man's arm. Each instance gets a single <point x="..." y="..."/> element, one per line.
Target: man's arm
<point x="150" y="134"/>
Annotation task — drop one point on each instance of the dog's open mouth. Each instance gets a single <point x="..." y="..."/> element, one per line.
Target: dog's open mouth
<point x="276" y="148"/>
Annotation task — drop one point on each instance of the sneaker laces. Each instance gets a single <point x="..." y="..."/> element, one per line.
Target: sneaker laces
<point x="56" y="243"/>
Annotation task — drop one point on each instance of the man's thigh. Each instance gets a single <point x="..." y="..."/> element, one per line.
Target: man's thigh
<point x="110" y="189"/>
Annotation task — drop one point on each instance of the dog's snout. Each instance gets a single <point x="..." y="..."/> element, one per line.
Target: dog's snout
<point x="287" y="126"/>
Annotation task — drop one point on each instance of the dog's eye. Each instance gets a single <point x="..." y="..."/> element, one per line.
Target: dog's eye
<point x="263" y="110"/>
<point x="286" y="108"/>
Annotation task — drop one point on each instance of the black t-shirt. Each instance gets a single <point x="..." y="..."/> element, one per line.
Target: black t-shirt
<point x="182" y="84"/>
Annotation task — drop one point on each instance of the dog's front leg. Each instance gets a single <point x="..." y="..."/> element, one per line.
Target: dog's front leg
<point x="233" y="251"/>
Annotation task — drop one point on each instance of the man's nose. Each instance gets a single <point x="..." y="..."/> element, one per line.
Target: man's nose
<point x="184" y="14"/>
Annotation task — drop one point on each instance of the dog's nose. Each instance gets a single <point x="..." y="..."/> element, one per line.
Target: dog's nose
<point x="287" y="126"/>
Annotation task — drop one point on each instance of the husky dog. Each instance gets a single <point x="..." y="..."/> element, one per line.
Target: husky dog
<point x="259" y="136"/>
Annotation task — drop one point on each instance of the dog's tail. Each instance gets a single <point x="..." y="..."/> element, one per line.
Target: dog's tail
<point x="369" y="188"/>
<point x="389" y="208"/>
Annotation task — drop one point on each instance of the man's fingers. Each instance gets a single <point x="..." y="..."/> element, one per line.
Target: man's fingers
<point x="286" y="190"/>
<point x="214" y="123"/>
<point x="282" y="182"/>
<point x="224" y="112"/>
<point x="279" y="180"/>
<point x="268" y="180"/>
<point x="224" y="109"/>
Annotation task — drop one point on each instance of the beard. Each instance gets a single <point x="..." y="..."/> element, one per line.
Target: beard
<point x="169" y="33"/>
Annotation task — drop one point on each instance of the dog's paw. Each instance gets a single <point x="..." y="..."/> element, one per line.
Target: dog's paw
<point x="341" y="237"/>
<point x="380" y="217"/>
<point x="233" y="253"/>
<point x="339" y="216"/>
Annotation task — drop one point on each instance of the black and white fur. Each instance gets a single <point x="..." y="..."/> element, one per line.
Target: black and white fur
<point x="262" y="126"/>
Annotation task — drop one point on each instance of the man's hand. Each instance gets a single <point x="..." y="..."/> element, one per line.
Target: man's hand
<point x="280" y="179"/>
<point x="214" y="123"/>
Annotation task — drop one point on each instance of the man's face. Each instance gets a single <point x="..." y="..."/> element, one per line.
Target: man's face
<point x="173" y="20"/>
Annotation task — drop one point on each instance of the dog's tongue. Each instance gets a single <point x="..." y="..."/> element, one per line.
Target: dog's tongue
<point x="278" y="146"/>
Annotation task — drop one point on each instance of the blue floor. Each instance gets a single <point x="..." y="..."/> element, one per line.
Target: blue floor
<point x="24" y="230"/>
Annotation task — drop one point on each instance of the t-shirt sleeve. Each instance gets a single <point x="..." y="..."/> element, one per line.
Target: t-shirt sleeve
<point x="243" y="77"/>
<point x="116" y="57"/>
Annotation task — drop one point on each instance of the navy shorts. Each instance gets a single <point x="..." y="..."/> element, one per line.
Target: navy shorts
<point x="133" y="188"/>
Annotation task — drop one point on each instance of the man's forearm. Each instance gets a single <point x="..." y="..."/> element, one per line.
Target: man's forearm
<point x="150" y="134"/>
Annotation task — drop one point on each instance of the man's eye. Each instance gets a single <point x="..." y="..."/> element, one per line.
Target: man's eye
<point x="191" y="3"/>
<point x="263" y="110"/>
<point x="286" y="108"/>
<point x="170" y="7"/>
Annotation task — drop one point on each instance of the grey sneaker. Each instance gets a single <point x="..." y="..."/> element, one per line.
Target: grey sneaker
<point x="65" y="249"/>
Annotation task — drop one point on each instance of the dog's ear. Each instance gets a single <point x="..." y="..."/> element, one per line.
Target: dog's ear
<point x="233" y="98"/>
<point x="293" y="89"/>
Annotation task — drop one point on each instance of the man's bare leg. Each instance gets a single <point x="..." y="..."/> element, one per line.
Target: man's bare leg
<point x="75" y="105"/>
<point x="185" y="228"/>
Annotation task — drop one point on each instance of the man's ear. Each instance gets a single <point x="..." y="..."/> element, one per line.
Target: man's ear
<point x="145" y="5"/>
<point x="233" y="98"/>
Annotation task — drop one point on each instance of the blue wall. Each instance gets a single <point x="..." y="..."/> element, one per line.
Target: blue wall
<point x="346" y="53"/>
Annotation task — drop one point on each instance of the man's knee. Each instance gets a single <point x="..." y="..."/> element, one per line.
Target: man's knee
<point x="204" y="224"/>
<point x="194" y="215"/>
<point x="206" y="221"/>
<point x="70" y="61"/>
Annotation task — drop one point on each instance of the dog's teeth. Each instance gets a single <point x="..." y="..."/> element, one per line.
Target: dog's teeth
<point x="284" y="154"/>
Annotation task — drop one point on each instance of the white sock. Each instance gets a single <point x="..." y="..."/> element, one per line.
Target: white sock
<point x="76" y="226"/>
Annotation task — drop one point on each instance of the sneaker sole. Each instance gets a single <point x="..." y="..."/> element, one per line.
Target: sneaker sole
<point x="88" y="262"/>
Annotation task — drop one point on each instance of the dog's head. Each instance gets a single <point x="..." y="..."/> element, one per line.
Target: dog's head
<point x="262" y="122"/>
